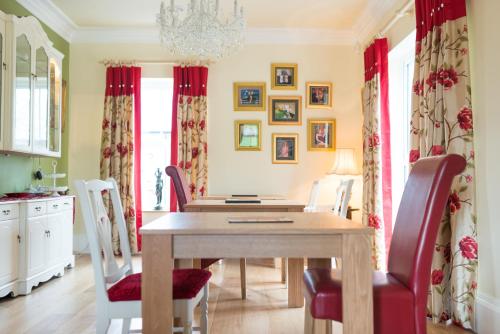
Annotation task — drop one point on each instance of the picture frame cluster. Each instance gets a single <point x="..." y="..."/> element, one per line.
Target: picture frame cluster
<point x="284" y="110"/>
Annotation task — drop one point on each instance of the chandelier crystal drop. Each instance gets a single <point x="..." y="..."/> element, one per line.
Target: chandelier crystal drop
<point x="201" y="33"/>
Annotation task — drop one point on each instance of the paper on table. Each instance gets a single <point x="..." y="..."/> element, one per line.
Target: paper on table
<point x="250" y="220"/>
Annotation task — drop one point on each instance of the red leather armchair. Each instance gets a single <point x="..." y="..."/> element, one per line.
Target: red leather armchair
<point x="183" y="195"/>
<point x="400" y="295"/>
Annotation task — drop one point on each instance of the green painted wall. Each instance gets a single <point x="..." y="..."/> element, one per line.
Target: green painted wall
<point x="16" y="171"/>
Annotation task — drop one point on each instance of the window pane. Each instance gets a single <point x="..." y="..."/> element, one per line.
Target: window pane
<point x="401" y="63"/>
<point x="156" y="127"/>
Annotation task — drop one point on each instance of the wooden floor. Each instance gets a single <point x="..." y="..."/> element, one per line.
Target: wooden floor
<point x="66" y="305"/>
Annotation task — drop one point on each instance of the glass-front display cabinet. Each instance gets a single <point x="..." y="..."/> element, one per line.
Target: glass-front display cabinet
<point x="3" y="67"/>
<point x="32" y="117"/>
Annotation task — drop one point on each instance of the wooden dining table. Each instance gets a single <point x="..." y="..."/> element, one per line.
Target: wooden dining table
<point x="298" y="235"/>
<point x="290" y="268"/>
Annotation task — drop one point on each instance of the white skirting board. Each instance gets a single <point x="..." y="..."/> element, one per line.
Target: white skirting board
<point x="487" y="314"/>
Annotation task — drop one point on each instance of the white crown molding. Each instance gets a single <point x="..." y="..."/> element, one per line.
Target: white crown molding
<point x="300" y="36"/>
<point x="150" y="35"/>
<point x="52" y="16"/>
<point x="368" y="21"/>
<point x="100" y="35"/>
<point x="371" y="19"/>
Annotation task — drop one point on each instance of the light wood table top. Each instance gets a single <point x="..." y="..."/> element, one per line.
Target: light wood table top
<point x="317" y="236"/>
<point x="200" y="223"/>
<point x="210" y="205"/>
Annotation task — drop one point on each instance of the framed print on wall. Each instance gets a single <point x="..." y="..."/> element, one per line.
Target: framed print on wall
<point x="284" y="76"/>
<point x="285" y="110"/>
<point x="319" y="95"/>
<point x="247" y="135"/>
<point x="285" y="148"/>
<point x="249" y="96"/>
<point x="321" y="134"/>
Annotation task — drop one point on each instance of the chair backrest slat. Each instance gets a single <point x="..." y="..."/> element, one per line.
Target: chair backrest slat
<point x="313" y="196"/>
<point x="344" y="191"/>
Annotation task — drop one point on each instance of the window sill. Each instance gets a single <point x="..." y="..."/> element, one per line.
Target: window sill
<point x="153" y="210"/>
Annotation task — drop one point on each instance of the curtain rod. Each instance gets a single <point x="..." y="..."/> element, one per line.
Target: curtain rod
<point x="158" y="62"/>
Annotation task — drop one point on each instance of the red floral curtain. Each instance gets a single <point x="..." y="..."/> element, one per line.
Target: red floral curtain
<point x="120" y="147"/>
<point x="377" y="199"/>
<point x="189" y="128"/>
<point x="442" y="123"/>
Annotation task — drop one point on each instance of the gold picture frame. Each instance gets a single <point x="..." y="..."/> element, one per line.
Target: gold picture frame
<point x="244" y="142"/>
<point x="321" y="134"/>
<point x="319" y="95"/>
<point x="245" y="92"/>
<point x="284" y="76"/>
<point x="285" y="148"/>
<point x="285" y="110"/>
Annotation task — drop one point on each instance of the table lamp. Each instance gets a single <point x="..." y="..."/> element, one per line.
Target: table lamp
<point x="344" y="163"/>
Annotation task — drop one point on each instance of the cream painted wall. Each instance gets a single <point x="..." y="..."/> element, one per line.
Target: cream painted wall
<point x="233" y="171"/>
<point x="485" y="52"/>
<point x="230" y="171"/>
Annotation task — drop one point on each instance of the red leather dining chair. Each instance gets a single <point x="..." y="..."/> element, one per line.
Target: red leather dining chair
<point x="400" y="295"/>
<point x="184" y="197"/>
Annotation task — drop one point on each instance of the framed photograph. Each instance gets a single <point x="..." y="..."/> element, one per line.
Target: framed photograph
<point x="319" y="95"/>
<point x="249" y="96"/>
<point x="284" y="76"/>
<point x="285" y="148"/>
<point x="247" y="135"/>
<point x="285" y="110"/>
<point x="321" y="134"/>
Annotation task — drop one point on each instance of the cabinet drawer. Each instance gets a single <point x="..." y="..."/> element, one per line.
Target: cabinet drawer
<point x="60" y="205"/>
<point x="9" y="211"/>
<point x="36" y="209"/>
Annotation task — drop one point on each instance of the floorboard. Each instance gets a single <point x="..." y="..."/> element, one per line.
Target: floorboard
<point x="66" y="305"/>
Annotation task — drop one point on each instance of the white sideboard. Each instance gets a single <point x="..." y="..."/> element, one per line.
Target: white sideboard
<point x="36" y="242"/>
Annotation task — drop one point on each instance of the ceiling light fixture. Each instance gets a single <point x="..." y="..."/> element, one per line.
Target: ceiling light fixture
<point x="201" y="33"/>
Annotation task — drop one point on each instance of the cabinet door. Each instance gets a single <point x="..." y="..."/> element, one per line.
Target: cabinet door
<point x="55" y="238"/>
<point x="21" y="131"/>
<point x="9" y="250"/>
<point x="55" y="107"/>
<point x="67" y="234"/>
<point x="3" y="68"/>
<point x="37" y="238"/>
<point x="41" y="102"/>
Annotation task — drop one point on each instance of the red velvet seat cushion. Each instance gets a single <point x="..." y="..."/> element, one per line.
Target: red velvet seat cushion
<point x="393" y="303"/>
<point x="186" y="285"/>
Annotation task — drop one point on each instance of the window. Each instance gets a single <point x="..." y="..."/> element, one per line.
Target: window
<point x="401" y="67"/>
<point x="156" y="129"/>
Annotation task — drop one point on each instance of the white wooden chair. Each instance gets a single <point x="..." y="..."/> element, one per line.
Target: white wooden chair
<point x="118" y="290"/>
<point x="313" y="197"/>
<point x="344" y="191"/>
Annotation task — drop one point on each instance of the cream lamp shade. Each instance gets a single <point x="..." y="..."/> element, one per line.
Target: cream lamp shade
<point x="345" y="163"/>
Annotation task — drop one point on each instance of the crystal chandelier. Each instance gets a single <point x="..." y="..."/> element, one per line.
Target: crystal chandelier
<point x="200" y="33"/>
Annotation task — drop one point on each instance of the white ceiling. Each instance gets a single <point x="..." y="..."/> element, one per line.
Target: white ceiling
<point x="323" y="14"/>
<point x="268" y="21"/>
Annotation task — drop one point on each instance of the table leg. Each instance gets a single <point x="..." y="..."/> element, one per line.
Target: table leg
<point x="157" y="266"/>
<point x="357" y="290"/>
<point x="295" y="273"/>
<point x="283" y="269"/>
